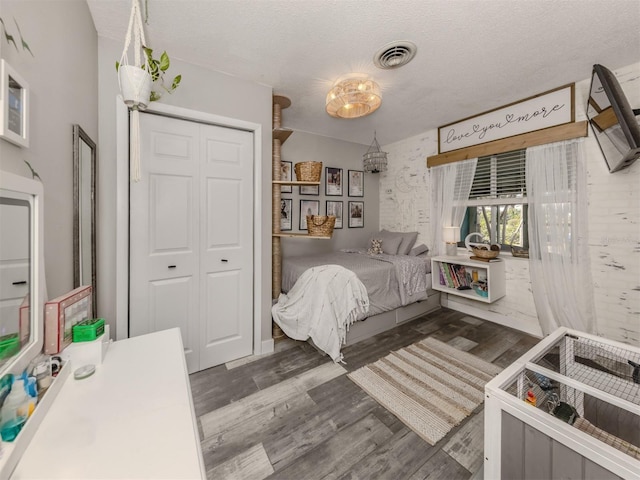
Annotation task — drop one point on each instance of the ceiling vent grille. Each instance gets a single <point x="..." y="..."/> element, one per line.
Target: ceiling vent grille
<point x="394" y="55"/>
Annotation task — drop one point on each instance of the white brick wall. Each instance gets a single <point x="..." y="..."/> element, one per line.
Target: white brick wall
<point x="614" y="227"/>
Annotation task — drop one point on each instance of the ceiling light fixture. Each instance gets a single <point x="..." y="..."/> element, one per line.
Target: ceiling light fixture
<point x="375" y="160"/>
<point x="353" y="96"/>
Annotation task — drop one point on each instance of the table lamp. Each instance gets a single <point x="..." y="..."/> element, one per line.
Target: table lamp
<point x="451" y="236"/>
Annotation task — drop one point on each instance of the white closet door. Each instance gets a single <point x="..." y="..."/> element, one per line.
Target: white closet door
<point x="191" y="232"/>
<point x="226" y="239"/>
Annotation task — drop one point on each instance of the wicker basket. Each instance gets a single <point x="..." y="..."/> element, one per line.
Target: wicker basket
<point x="320" y="225"/>
<point x="308" y="171"/>
<point x="478" y="252"/>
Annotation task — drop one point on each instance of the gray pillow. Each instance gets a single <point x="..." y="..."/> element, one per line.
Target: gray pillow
<point x="408" y="240"/>
<point x="418" y="250"/>
<point x="390" y="242"/>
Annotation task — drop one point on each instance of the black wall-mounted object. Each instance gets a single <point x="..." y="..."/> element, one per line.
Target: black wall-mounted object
<point x="613" y="121"/>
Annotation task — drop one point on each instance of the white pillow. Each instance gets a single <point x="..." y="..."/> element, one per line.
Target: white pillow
<point x="422" y="248"/>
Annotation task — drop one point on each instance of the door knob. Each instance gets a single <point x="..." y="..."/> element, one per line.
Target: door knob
<point x="172" y="266"/>
<point x="224" y="260"/>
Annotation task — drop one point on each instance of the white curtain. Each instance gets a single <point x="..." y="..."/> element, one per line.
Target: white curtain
<point x="558" y="248"/>
<point x="450" y="187"/>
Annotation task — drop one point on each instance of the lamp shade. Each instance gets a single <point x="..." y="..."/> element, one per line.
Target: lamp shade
<point x="451" y="234"/>
<point x="375" y="160"/>
<point x="353" y="97"/>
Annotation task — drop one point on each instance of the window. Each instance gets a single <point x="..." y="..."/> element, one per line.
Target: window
<point x="497" y="206"/>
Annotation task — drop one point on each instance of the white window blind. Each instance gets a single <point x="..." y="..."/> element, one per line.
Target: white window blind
<point x="498" y="178"/>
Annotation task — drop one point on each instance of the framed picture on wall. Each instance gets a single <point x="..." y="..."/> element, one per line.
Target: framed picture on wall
<point x="356" y="214"/>
<point x="285" y="176"/>
<point x="14" y="106"/>
<point x="309" y="189"/>
<point x="286" y="212"/>
<point x="333" y="182"/>
<point x="335" y="208"/>
<point x="356" y="183"/>
<point x="308" y="207"/>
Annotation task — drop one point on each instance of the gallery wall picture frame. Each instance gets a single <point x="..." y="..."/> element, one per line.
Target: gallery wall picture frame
<point x="356" y="214"/>
<point x="286" y="214"/>
<point x="308" y="207"/>
<point x="286" y="169"/>
<point x="309" y="190"/>
<point x="333" y="182"/>
<point x="335" y="208"/>
<point x="14" y="106"/>
<point x="356" y="183"/>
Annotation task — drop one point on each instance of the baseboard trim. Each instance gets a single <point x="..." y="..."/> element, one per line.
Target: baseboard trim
<point x="267" y="346"/>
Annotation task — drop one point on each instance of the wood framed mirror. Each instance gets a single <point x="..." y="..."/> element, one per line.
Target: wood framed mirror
<point x="84" y="211"/>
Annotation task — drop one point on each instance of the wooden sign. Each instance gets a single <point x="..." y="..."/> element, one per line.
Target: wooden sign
<point x="549" y="109"/>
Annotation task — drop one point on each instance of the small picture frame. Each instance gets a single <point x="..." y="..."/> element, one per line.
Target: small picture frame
<point x="335" y="208"/>
<point x="308" y="207"/>
<point x="356" y="214"/>
<point x="333" y="182"/>
<point x="286" y="214"/>
<point x="14" y="106"/>
<point x="356" y="183"/>
<point x="310" y="190"/>
<point x="286" y="175"/>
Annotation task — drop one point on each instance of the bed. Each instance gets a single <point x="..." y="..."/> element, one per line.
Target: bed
<point x="381" y="275"/>
<point x="397" y="286"/>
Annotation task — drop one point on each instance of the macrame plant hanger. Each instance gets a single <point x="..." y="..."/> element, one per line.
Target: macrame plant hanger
<point x="135" y="84"/>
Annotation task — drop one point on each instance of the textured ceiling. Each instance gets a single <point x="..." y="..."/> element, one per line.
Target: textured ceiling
<point x="472" y="55"/>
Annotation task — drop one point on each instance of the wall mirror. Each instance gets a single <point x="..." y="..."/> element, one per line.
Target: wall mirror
<point x="84" y="211"/>
<point x="22" y="282"/>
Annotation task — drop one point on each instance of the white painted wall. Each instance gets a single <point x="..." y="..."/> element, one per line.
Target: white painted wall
<point x="304" y="147"/>
<point x="63" y="81"/>
<point x="614" y="227"/>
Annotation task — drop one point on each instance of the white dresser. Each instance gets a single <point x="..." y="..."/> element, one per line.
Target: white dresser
<point x="133" y="418"/>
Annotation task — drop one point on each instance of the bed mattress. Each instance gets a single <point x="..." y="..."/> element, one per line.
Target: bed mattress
<point x="378" y="273"/>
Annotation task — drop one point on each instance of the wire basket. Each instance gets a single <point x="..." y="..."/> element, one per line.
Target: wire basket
<point x="308" y="171"/>
<point x="321" y="225"/>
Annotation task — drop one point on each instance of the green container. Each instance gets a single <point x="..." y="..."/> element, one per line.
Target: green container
<point x="9" y="345"/>
<point x="88" y="330"/>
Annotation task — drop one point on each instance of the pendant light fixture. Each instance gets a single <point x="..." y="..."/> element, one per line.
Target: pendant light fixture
<point x="375" y="160"/>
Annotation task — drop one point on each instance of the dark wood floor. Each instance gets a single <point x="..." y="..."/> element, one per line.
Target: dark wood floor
<point x="294" y="414"/>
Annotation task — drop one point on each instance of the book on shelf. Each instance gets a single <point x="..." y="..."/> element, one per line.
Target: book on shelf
<point x="453" y="275"/>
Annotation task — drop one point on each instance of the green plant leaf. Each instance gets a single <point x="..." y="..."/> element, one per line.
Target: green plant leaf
<point x="117" y="65"/>
<point x="176" y="82"/>
<point x="164" y="61"/>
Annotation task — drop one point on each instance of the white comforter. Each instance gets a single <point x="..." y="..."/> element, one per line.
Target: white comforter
<point x="322" y="305"/>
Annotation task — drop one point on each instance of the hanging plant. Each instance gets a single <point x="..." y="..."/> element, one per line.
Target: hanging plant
<point x="136" y="81"/>
<point x="157" y="68"/>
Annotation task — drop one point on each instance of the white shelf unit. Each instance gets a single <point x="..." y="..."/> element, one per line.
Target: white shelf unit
<point x="492" y="271"/>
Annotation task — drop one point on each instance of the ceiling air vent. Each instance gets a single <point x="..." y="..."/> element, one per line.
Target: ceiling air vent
<point x="394" y="55"/>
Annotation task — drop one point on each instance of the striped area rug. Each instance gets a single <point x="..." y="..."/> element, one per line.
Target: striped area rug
<point x="430" y="386"/>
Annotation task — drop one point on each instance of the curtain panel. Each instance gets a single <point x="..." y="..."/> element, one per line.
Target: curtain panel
<point x="558" y="249"/>
<point x="450" y="187"/>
